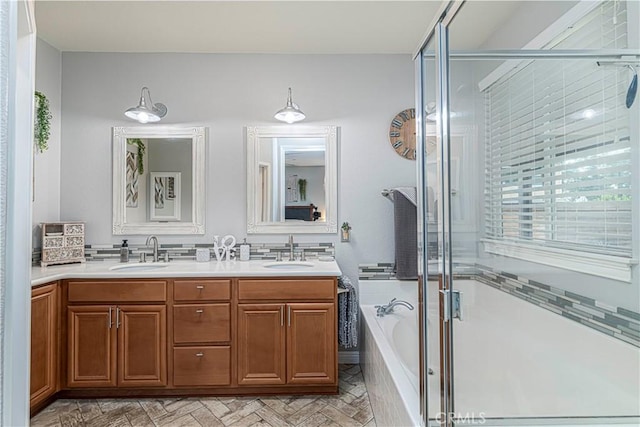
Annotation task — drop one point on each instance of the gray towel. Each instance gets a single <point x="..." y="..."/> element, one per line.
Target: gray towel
<point x="347" y="314"/>
<point x="406" y="233"/>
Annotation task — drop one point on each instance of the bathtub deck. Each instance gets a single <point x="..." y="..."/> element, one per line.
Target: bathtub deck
<point x="513" y="359"/>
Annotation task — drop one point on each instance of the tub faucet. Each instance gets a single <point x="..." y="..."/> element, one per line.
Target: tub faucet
<point x="386" y="309"/>
<point x="155" y="247"/>
<point x="292" y="255"/>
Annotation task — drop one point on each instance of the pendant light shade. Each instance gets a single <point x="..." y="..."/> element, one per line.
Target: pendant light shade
<point x="146" y="111"/>
<point x="291" y="113"/>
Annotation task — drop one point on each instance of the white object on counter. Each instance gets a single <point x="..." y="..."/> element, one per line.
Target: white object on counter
<point x="245" y="251"/>
<point x="203" y="255"/>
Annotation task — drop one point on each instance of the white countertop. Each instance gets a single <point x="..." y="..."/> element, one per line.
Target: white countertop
<point x="101" y="270"/>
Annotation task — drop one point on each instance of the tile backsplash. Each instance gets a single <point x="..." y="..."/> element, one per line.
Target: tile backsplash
<point x="187" y="251"/>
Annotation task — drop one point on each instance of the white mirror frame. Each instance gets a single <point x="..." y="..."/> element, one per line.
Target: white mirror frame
<point x="330" y="135"/>
<point x="198" y="150"/>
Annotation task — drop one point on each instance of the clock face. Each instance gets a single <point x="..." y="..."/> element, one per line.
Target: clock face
<point x="402" y="133"/>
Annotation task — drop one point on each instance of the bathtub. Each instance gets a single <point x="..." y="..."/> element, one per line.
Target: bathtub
<point x="536" y="364"/>
<point x="390" y="352"/>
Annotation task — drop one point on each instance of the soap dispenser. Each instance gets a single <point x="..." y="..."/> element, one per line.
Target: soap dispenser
<point x="245" y="251"/>
<point x="124" y="251"/>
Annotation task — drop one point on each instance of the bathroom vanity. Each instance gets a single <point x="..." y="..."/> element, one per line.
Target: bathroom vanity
<point x="183" y="328"/>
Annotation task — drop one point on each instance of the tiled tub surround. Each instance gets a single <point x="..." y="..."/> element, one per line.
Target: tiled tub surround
<point x="512" y="360"/>
<point x="616" y="322"/>
<point x="391" y="374"/>
<point x="187" y="251"/>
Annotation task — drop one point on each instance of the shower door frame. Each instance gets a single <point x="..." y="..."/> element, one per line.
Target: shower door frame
<point x="438" y="33"/>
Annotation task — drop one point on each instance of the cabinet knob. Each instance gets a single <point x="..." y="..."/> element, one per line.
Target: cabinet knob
<point x="199" y="354"/>
<point x="200" y="311"/>
<point x="200" y="287"/>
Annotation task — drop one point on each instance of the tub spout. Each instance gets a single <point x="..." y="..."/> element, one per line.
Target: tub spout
<point x="386" y="309"/>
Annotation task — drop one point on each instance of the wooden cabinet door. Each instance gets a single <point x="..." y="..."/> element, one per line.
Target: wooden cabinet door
<point x="261" y="344"/>
<point x="91" y="334"/>
<point x="44" y="343"/>
<point x="142" y="345"/>
<point x="311" y="343"/>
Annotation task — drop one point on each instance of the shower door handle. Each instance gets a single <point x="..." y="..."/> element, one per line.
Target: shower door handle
<point x="456" y="305"/>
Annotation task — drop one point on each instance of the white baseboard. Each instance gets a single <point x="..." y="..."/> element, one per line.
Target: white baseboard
<point x="350" y="357"/>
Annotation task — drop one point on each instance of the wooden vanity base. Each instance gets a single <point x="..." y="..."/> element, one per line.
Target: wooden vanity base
<point x="135" y="338"/>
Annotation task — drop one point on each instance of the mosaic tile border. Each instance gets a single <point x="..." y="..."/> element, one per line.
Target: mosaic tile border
<point x="379" y="271"/>
<point x="385" y="271"/>
<point x="616" y="322"/>
<point x="187" y="251"/>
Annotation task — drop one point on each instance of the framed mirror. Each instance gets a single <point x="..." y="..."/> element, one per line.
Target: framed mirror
<point x="158" y="180"/>
<point x="292" y="179"/>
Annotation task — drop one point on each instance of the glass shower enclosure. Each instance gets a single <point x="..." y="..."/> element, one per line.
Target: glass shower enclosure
<point x="528" y="167"/>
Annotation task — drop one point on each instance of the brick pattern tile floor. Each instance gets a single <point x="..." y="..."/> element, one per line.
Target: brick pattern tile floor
<point x="350" y="408"/>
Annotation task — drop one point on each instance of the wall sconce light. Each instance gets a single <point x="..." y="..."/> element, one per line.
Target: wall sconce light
<point x="291" y="113"/>
<point x="432" y="115"/>
<point x="146" y="111"/>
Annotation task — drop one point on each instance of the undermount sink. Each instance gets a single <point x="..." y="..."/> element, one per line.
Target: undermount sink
<point x="139" y="267"/>
<point x="288" y="265"/>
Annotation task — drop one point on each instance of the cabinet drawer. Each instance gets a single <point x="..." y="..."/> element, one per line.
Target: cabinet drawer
<point x="198" y="323"/>
<point x="202" y="290"/>
<point x="287" y="289"/>
<point x="202" y="366"/>
<point x="117" y="291"/>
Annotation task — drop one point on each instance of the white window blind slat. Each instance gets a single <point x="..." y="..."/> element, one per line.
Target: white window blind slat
<point x="558" y="169"/>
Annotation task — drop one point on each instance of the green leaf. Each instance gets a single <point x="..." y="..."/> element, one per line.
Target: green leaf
<point x="42" y="122"/>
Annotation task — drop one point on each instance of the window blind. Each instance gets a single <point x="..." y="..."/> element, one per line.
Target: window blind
<point x="558" y="153"/>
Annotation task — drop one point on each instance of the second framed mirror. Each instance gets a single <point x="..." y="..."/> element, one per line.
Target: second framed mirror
<point x="292" y="179"/>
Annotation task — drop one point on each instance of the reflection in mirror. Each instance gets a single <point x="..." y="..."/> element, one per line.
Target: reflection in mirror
<point x="158" y="180"/>
<point x="294" y="167"/>
<point x="291" y="179"/>
<point x="165" y="196"/>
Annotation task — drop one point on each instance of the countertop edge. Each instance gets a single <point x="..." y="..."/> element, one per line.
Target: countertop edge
<point x="41" y="276"/>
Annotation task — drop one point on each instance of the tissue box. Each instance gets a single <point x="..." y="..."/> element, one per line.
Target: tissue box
<point x="203" y="255"/>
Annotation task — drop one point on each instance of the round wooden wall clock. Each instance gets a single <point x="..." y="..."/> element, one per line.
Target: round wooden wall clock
<point x="402" y="133"/>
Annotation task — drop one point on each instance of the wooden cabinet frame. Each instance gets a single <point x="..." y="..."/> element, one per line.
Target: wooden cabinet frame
<point x="135" y="350"/>
<point x="45" y="322"/>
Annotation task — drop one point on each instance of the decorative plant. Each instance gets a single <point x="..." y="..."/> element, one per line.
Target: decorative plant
<point x="345" y="236"/>
<point x="141" y="148"/>
<point x="302" y="187"/>
<point x="42" y="125"/>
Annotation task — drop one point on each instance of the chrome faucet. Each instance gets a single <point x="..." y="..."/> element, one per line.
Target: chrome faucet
<point x="155" y="247"/>
<point x="292" y="255"/>
<point x="386" y="309"/>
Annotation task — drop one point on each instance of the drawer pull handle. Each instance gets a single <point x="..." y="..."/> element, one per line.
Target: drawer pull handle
<point x="200" y="311"/>
<point x="200" y="354"/>
<point x="200" y="287"/>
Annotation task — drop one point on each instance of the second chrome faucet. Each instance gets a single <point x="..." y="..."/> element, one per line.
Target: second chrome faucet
<point x="153" y="239"/>
<point x="292" y="255"/>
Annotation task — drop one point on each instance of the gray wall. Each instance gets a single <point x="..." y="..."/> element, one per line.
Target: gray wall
<point x="315" y="186"/>
<point x="46" y="203"/>
<point x="359" y="93"/>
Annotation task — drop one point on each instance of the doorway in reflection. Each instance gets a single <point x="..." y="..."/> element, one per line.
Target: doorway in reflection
<point x="292" y="179"/>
